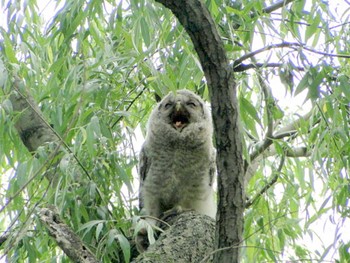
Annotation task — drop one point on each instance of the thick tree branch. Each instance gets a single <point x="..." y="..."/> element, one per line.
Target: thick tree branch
<point x="66" y="239"/>
<point x="189" y="239"/>
<point x="195" y="18"/>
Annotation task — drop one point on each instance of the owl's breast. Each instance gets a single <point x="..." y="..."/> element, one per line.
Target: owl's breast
<point x="178" y="174"/>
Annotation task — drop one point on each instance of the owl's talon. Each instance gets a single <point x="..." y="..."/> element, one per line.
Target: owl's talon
<point x="141" y="240"/>
<point x="174" y="212"/>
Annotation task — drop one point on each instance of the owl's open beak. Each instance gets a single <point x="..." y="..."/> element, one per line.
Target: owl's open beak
<point x="180" y="117"/>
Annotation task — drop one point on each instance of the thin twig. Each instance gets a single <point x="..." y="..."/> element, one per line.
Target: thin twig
<point x="292" y="45"/>
<point x="243" y="67"/>
<point x="130" y="104"/>
<point x="268" y="185"/>
<point x="269" y="47"/>
<point x="326" y="54"/>
<point x="287" y="131"/>
<point x="276" y="6"/>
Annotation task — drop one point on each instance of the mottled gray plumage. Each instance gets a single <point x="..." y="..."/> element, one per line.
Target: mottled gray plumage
<point x="177" y="160"/>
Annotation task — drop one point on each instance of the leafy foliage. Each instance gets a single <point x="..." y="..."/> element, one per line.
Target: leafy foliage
<point x="94" y="68"/>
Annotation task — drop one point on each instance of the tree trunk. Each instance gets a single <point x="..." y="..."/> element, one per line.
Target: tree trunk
<point x="197" y="21"/>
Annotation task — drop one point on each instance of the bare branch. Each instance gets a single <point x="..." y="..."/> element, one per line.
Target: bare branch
<point x="276" y="6"/>
<point x="269" y="105"/>
<point x="286" y="131"/>
<point x="326" y="54"/>
<point x="292" y="127"/>
<point x="293" y="45"/>
<point x="298" y="152"/>
<point x="238" y="61"/>
<point x="268" y="9"/>
<point x="66" y="239"/>
<point x="243" y="67"/>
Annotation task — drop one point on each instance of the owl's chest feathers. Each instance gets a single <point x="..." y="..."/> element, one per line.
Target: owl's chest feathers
<point x="180" y="173"/>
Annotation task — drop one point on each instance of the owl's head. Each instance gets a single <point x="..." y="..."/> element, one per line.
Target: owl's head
<point x="180" y="109"/>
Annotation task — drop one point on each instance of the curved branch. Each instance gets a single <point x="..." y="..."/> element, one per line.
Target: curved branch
<point x="326" y="54"/>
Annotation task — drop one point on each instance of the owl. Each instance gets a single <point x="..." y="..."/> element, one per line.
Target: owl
<point x="177" y="160"/>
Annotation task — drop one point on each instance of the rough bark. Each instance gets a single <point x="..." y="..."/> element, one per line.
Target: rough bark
<point x="189" y="239"/>
<point x="195" y="18"/>
<point x="67" y="240"/>
<point x="31" y="126"/>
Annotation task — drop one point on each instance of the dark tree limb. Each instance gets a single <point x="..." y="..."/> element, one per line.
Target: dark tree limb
<point x="195" y="18"/>
<point x="66" y="239"/>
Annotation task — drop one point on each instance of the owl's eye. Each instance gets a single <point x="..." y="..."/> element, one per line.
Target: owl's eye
<point x="191" y="104"/>
<point x="168" y="105"/>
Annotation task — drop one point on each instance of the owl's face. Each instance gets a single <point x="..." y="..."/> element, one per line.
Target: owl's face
<point x="181" y="109"/>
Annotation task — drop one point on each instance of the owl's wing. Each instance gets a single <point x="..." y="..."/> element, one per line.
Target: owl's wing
<point x="144" y="164"/>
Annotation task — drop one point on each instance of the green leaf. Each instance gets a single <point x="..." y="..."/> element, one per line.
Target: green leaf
<point x="344" y="85"/>
<point x="249" y="109"/>
<point x="145" y="31"/>
<point x="8" y="48"/>
<point x="125" y="245"/>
